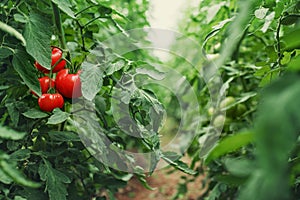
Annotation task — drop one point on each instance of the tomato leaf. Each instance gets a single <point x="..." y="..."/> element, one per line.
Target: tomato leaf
<point x="64" y="5"/>
<point x="21" y="154"/>
<point x="5" y="178"/>
<point x="58" y="117"/>
<point x="38" y="36"/>
<point x="13" y="112"/>
<point x="240" y="167"/>
<point x="20" y="18"/>
<point x="173" y="159"/>
<point x="21" y="63"/>
<point x="229" y="144"/>
<point x="35" y="114"/>
<point x="290" y="19"/>
<point x="10" y="170"/>
<point x="55" y="181"/>
<point x="113" y="67"/>
<point x="64" y="136"/>
<point x="7" y="133"/>
<point x="5" y="52"/>
<point x="291" y="39"/>
<point x="91" y="80"/>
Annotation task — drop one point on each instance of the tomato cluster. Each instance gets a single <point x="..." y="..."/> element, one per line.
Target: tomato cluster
<point x="65" y="84"/>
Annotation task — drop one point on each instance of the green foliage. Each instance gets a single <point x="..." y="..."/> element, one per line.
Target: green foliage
<point x="55" y="155"/>
<point x="253" y="44"/>
<point x="55" y="181"/>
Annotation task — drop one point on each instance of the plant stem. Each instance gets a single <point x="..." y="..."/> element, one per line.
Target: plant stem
<point x="58" y="24"/>
<point x="278" y="43"/>
<point x="59" y="27"/>
<point x="235" y="54"/>
<point x="84" y="10"/>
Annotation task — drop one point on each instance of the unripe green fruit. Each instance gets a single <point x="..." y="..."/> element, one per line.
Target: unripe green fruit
<point x="228" y="101"/>
<point x="219" y="121"/>
<point x="240" y="109"/>
<point x="210" y="111"/>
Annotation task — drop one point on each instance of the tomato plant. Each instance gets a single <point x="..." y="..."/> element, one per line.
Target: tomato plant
<point x="47" y="151"/>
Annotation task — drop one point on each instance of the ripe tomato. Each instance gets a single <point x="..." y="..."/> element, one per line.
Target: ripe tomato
<point x="69" y="85"/>
<point x="48" y="102"/>
<point x="45" y="84"/>
<point x="55" y="57"/>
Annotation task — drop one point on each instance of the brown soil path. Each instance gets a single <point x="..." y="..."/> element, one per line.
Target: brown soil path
<point x="165" y="185"/>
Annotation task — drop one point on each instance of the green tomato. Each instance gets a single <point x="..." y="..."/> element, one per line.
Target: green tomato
<point x="228" y="101"/>
<point x="240" y="109"/>
<point x="219" y="121"/>
<point x="211" y="111"/>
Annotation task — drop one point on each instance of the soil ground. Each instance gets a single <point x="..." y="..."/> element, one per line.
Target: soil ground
<point x="166" y="183"/>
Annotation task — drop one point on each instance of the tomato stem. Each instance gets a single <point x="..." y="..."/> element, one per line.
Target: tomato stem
<point x="59" y="27"/>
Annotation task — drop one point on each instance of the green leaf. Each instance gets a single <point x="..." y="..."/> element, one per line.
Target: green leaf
<point x="5" y="178"/>
<point x="33" y="194"/>
<point x="10" y="30"/>
<point x="55" y="181"/>
<point x="65" y="6"/>
<point x="58" y="117"/>
<point x="153" y="73"/>
<point x="91" y="80"/>
<point x="64" y="136"/>
<point x="11" y="171"/>
<point x="21" y="63"/>
<point x="276" y="132"/>
<point x="294" y="65"/>
<point x="10" y="134"/>
<point x="173" y="159"/>
<point x="19" y="198"/>
<point x="100" y="103"/>
<point x="230" y="179"/>
<point x="229" y="144"/>
<point x="114" y="67"/>
<point x="5" y="52"/>
<point x="35" y="114"/>
<point x="240" y="167"/>
<point x="217" y="191"/>
<point x="291" y="39"/>
<point x="20" y="155"/>
<point x="290" y="19"/>
<point x="38" y="36"/>
<point x="13" y="113"/>
<point x="20" y="18"/>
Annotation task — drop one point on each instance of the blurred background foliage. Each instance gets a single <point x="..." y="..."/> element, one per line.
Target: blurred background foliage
<point x="254" y="45"/>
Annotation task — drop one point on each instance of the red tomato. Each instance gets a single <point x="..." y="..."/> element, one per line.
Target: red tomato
<point x="56" y="55"/>
<point x="45" y="84"/>
<point x="69" y="85"/>
<point x="48" y="102"/>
